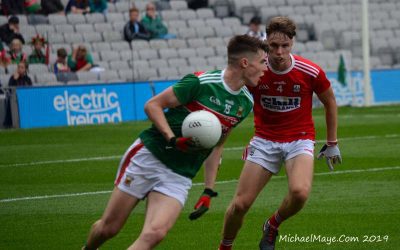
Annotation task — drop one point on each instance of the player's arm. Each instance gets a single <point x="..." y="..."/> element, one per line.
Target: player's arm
<point x="154" y="109"/>
<point x="211" y="165"/>
<point x="330" y="150"/>
<point x="329" y="101"/>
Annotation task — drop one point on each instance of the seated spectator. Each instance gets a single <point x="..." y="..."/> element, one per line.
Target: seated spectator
<point x="3" y="56"/>
<point x="10" y="31"/>
<point x="254" y="28"/>
<point x="38" y="56"/>
<point x="78" y="7"/>
<point x="12" y="7"/>
<point x="20" y="77"/>
<point x="16" y="55"/>
<point x="98" y="6"/>
<point x="134" y="29"/>
<point x="61" y="66"/>
<point x="31" y="6"/>
<point x="153" y="23"/>
<point x="80" y="59"/>
<point x="52" y="7"/>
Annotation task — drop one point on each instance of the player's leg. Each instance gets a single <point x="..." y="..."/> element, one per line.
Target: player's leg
<point x="161" y="214"/>
<point x="252" y="180"/>
<point x="114" y="217"/>
<point x="299" y="169"/>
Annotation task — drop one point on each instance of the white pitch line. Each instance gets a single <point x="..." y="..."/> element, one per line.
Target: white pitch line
<point x="43" y="197"/>
<point x="112" y="157"/>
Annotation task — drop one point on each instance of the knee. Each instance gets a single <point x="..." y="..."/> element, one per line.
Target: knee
<point x="154" y="235"/>
<point x="106" y="230"/>
<point x="300" y="194"/>
<point x="240" y="206"/>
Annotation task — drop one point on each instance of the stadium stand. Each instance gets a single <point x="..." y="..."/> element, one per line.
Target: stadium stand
<point x="325" y="30"/>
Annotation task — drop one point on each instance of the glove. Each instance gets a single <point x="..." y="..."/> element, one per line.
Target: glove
<point x="203" y="204"/>
<point x="331" y="153"/>
<point x="184" y="144"/>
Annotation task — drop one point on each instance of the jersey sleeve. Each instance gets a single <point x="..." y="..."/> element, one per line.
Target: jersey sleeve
<point x="187" y="88"/>
<point x="321" y="83"/>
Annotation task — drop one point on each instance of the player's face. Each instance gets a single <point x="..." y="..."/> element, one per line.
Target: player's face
<point x="255" y="68"/>
<point x="280" y="46"/>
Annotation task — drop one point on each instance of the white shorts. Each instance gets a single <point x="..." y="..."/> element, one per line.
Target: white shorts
<point x="270" y="155"/>
<point x="140" y="172"/>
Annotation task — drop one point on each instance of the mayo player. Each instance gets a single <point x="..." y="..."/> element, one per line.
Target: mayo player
<point x="160" y="164"/>
<point x="284" y="133"/>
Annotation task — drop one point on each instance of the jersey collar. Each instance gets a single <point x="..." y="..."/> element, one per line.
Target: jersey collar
<point x="285" y="71"/>
<point x="227" y="88"/>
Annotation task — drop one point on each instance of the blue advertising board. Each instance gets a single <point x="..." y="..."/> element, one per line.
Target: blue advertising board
<point x="75" y="105"/>
<point x="102" y="103"/>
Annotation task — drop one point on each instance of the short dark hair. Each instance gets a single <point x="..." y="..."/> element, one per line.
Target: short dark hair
<point x="244" y="44"/>
<point x="255" y="20"/>
<point x="283" y="25"/>
<point x="13" y="20"/>
<point x="61" y="52"/>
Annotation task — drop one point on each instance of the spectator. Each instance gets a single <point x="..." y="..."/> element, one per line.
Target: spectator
<point x="61" y="65"/>
<point x="3" y="56"/>
<point x="78" y="7"/>
<point x="12" y="7"/>
<point x="52" y="6"/>
<point x="16" y="53"/>
<point x="255" y="30"/>
<point x="134" y="29"/>
<point x="98" y="6"/>
<point x="10" y="31"/>
<point x="80" y="59"/>
<point x="153" y="23"/>
<point x="31" y="6"/>
<point x="38" y="56"/>
<point x="20" y="77"/>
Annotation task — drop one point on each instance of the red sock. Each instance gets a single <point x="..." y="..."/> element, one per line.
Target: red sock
<point x="275" y="220"/>
<point x="225" y="244"/>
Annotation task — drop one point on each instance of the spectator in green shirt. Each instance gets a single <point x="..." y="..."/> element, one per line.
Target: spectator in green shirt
<point x="80" y="59"/>
<point x="98" y="6"/>
<point x="38" y="56"/>
<point x="153" y="23"/>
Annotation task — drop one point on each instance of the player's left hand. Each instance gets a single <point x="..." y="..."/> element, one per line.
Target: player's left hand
<point x="332" y="155"/>
<point x="203" y="204"/>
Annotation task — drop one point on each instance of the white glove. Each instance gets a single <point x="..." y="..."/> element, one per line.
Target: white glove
<point x="332" y="155"/>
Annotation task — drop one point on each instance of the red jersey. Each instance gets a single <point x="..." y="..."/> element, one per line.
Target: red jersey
<point x="283" y="101"/>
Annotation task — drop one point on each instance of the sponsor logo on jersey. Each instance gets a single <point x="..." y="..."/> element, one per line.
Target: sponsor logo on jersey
<point x="279" y="83"/>
<point x="215" y="100"/>
<point x="296" y="88"/>
<point x="89" y="108"/>
<point x="230" y="102"/>
<point x="280" y="103"/>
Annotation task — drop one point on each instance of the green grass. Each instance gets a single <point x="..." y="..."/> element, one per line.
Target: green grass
<point x="354" y="204"/>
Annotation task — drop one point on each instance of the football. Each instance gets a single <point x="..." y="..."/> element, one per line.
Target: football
<point x="204" y="128"/>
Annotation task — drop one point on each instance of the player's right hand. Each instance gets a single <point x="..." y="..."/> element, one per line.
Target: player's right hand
<point x="184" y="144"/>
<point x="332" y="155"/>
<point x="203" y="204"/>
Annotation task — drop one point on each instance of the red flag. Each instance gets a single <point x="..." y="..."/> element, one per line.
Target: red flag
<point x="47" y="60"/>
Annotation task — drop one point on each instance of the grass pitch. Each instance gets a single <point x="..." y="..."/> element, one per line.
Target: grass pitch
<point x="55" y="182"/>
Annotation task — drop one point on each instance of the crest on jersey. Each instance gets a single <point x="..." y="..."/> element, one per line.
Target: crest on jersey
<point x="296" y="88"/>
<point x="239" y="112"/>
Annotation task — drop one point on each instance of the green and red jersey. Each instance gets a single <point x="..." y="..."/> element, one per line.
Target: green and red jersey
<point x="200" y="91"/>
